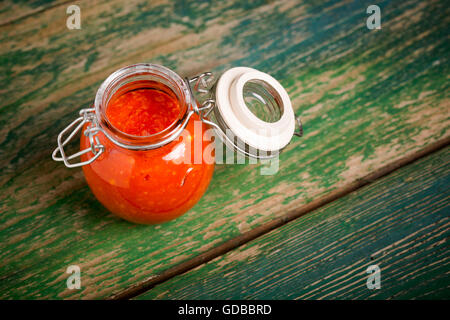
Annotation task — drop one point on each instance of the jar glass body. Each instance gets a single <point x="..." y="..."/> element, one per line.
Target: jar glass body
<point x="149" y="185"/>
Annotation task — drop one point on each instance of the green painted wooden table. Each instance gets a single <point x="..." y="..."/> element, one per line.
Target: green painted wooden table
<point x="367" y="184"/>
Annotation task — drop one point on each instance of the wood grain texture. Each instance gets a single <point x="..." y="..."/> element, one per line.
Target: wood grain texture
<point x="13" y="11"/>
<point x="400" y="223"/>
<point x="367" y="98"/>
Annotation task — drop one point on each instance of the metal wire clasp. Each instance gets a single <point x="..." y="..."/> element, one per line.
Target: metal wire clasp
<point x="86" y="116"/>
<point x="299" y="132"/>
<point x="201" y="85"/>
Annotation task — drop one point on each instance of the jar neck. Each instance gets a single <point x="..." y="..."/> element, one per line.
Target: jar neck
<point x="142" y="76"/>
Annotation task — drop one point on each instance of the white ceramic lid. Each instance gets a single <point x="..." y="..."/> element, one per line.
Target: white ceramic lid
<point x="259" y="134"/>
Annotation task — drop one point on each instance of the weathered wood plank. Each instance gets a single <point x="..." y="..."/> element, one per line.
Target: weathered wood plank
<point x="400" y="223"/>
<point x="14" y="11"/>
<point x="367" y="98"/>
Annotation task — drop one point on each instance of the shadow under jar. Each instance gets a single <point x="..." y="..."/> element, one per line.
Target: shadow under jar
<point x="148" y="145"/>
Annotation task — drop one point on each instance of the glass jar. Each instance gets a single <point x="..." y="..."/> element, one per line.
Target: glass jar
<point x="157" y="176"/>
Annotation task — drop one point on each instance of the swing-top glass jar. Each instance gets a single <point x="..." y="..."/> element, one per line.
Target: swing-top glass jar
<point x="146" y="145"/>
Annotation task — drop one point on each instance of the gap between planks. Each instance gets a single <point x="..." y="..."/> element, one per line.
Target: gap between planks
<point x="278" y="222"/>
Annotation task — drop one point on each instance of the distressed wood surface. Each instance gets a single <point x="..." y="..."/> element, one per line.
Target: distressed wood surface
<point x="15" y="10"/>
<point x="401" y="223"/>
<point x="367" y="98"/>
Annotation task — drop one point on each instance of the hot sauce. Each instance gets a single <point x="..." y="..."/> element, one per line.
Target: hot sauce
<point x="143" y="112"/>
<point x="147" y="130"/>
<point x="148" y="186"/>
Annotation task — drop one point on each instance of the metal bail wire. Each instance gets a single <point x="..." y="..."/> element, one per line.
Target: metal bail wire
<point x="299" y="132"/>
<point x="86" y="116"/>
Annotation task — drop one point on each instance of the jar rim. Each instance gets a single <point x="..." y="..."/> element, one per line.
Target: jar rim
<point x="116" y="79"/>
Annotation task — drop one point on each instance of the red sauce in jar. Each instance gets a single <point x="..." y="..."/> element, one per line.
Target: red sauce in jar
<point x="143" y="112"/>
<point x="148" y="186"/>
